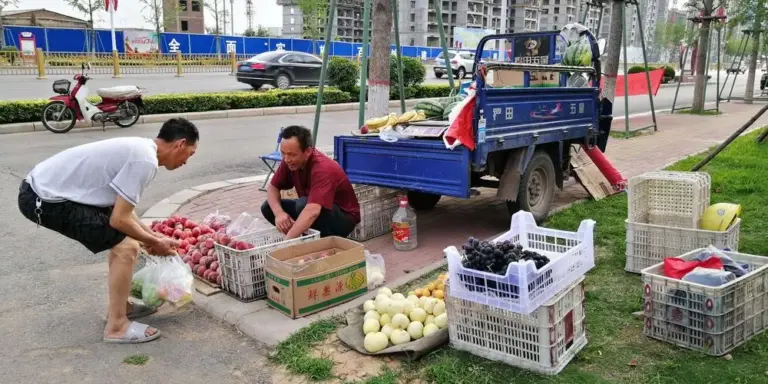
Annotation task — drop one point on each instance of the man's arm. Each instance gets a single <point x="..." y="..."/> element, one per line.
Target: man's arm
<point x="273" y="199"/>
<point x="123" y="220"/>
<point x="144" y="226"/>
<point x="305" y="220"/>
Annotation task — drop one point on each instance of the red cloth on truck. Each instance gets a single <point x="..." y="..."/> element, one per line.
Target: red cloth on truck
<point x="461" y="128"/>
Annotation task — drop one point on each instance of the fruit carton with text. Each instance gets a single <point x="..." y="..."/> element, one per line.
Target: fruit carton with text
<point x="310" y="277"/>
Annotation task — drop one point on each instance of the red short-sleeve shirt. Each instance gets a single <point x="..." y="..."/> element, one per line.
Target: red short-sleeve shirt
<point x="322" y="181"/>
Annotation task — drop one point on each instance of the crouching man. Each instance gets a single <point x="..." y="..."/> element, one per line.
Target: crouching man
<point x="88" y="193"/>
<point x="326" y="200"/>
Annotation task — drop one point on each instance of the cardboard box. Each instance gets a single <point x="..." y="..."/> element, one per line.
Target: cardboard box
<point x="298" y="288"/>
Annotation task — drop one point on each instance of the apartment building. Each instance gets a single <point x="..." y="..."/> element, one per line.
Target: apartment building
<point x="184" y="16"/>
<point x="557" y="13"/>
<point x="347" y="22"/>
<point x="418" y="18"/>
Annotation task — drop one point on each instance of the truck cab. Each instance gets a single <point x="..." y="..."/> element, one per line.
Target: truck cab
<point x="529" y="110"/>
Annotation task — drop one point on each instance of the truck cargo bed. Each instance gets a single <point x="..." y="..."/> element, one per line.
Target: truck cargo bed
<point x="423" y="165"/>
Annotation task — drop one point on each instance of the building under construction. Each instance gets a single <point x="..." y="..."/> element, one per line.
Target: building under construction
<point x="347" y="22"/>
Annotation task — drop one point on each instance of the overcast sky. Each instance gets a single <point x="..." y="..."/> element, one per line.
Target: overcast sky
<point x="131" y="15"/>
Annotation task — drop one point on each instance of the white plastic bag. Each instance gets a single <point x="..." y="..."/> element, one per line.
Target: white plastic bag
<point x="217" y="222"/>
<point x="163" y="279"/>
<point x="375" y="269"/>
<point x="244" y="224"/>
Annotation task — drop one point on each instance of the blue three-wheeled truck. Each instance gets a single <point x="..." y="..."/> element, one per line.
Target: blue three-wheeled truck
<point x="529" y="111"/>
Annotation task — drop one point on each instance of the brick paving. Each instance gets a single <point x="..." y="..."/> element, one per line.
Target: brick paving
<point x="453" y="220"/>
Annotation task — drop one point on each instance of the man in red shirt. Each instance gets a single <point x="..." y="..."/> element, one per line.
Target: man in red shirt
<point x="326" y="200"/>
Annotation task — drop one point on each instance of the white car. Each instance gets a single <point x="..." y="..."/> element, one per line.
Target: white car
<point x="462" y="63"/>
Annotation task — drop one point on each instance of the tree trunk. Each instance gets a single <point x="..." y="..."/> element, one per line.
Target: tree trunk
<point x="2" y="31"/>
<point x="700" y="87"/>
<point x="613" y="50"/>
<point x="378" y="80"/>
<point x="749" y="92"/>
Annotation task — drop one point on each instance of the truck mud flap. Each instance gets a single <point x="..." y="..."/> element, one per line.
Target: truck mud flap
<point x="415" y="165"/>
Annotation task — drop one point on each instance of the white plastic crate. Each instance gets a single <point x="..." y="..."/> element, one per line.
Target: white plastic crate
<point x="242" y="272"/>
<point x="675" y="199"/>
<point x="712" y="320"/>
<point x="649" y="244"/>
<point x="524" y="288"/>
<point x="544" y="341"/>
<point x="377" y="206"/>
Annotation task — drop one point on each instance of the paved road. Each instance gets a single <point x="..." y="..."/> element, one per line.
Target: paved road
<point x="28" y="87"/>
<point x="54" y="291"/>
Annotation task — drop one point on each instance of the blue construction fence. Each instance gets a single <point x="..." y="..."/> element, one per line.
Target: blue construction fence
<point x="76" y="40"/>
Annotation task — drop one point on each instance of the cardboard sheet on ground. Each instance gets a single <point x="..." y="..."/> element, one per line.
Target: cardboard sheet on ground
<point x="352" y="335"/>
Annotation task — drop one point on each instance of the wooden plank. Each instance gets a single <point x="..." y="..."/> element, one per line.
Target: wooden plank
<point x="589" y="175"/>
<point x="205" y="287"/>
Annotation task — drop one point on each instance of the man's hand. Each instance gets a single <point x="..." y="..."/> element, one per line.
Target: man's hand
<point x="165" y="247"/>
<point x="283" y="222"/>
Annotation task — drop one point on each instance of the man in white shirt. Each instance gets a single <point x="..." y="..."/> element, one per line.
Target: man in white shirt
<point x="88" y="193"/>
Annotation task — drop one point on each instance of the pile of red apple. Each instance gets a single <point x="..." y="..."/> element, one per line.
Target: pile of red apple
<point x="195" y="244"/>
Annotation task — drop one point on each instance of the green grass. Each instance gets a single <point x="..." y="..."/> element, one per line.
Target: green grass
<point x="612" y="295"/>
<point x="295" y="351"/>
<point x="137" y="359"/>
<point x="709" y="112"/>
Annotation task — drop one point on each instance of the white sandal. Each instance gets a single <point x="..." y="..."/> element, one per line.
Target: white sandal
<point x="136" y="333"/>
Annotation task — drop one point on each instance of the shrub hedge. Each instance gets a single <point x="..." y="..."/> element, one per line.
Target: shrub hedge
<point x="22" y="111"/>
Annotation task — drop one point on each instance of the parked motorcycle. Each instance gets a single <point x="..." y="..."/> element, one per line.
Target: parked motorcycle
<point x="121" y="105"/>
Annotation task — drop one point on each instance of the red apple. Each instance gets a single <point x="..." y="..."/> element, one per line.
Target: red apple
<point x="196" y="232"/>
<point x="192" y="240"/>
<point x="183" y="220"/>
<point x="190" y="224"/>
<point x="169" y="222"/>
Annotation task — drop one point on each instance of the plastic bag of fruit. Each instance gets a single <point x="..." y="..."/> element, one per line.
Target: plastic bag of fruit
<point x="163" y="279"/>
<point x="217" y="222"/>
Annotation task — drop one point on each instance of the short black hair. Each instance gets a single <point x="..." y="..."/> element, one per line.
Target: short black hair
<point x="302" y="134"/>
<point x="178" y="128"/>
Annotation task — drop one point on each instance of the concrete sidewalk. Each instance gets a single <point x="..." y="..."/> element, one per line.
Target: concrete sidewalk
<point x="481" y="216"/>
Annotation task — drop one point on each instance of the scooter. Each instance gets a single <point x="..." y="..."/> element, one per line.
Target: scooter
<point x="121" y="105"/>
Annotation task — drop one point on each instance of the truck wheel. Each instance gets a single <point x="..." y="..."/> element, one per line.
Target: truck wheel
<point x="537" y="186"/>
<point x="421" y="201"/>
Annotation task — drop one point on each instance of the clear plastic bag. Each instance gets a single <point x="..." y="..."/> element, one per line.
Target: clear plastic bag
<point x="163" y="279"/>
<point x="217" y="222"/>
<point x="244" y="224"/>
<point x="375" y="269"/>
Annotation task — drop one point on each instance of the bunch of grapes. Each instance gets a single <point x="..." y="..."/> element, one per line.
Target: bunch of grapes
<point x="495" y="257"/>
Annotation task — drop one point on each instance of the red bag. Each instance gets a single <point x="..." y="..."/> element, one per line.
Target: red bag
<point x="677" y="268"/>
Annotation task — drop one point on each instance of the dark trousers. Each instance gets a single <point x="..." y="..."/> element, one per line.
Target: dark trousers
<point x="330" y="223"/>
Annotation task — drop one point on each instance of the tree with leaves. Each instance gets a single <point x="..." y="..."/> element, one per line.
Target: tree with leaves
<point x="5" y="4"/>
<point x="668" y="37"/>
<point x="752" y="15"/>
<point x="259" y="32"/>
<point x="88" y="7"/>
<point x="315" y="16"/>
<point x="156" y="16"/>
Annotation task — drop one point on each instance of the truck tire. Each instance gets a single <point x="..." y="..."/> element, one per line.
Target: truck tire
<point x="421" y="201"/>
<point x="537" y="187"/>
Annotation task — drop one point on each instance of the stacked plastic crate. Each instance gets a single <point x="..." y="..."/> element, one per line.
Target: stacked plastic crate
<point x="377" y="205"/>
<point x="663" y="218"/>
<point x="529" y="318"/>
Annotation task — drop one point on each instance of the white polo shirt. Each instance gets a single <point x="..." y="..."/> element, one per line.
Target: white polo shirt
<point x="96" y="173"/>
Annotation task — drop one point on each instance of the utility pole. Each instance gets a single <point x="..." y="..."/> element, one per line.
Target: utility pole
<point x="232" y="18"/>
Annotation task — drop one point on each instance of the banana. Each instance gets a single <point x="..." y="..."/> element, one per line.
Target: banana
<point x="406" y="117"/>
<point x="392" y="121"/>
<point x="377" y="122"/>
<point x="418" y="116"/>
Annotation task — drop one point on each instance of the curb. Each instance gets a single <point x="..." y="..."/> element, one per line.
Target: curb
<point x="168" y="206"/>
<point x="226" y="114"/>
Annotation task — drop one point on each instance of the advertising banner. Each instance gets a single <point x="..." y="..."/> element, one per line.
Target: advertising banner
<point x="469" y="38"/>
<point x="140" y="41"/>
